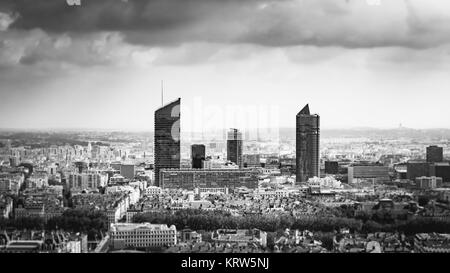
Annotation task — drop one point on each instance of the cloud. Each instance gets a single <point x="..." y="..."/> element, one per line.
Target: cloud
<point x="180" y="32"/>
<point x="6" y="20"/>
<point x="36" y="46"/>
<point x="282" y="23"/>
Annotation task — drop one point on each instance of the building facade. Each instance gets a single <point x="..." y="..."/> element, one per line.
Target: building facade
<point x="198" y="154"/>
<point x="167" y="138"/>
<point x="143" y="235"/>
<point x="307" y="145"/>
<point x="128" y="170"/>
<point x="417" y="168"/>
<point x="190" y="179"/>
<point x="435" y="154"/>
<point x="378" y="173"/>
<point x="331" y="167"/>
<point x="86" y="181"/>
<point x="441" y="169"/>
<point x="428" y="182"/>
<point x="234" y="147"/>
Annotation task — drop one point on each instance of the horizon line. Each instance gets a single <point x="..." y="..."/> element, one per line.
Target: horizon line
<point x="223" y="129"/>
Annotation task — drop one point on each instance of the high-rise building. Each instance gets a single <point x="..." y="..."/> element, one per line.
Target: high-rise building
<point x="417" y="168"/>
<point x="307" y="145"/>
<point x="441" y="169"/>
<point x="435" y="154"/>
<point x="234" y="147"/>
<point x="167" y="138"/>
<point x="331" y="167"/>
<point x="198" y="154"/>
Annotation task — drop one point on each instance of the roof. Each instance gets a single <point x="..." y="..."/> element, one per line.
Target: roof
<point x="304" y="111"/>
<point x="177" y="101"/>
<point x="120" y="227"/>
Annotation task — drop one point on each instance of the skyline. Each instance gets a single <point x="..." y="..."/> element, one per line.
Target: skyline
<point x="356" y="128"/>
<point x="375" y="66"/>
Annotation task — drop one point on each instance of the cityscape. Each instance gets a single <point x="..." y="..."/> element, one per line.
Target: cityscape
<point x="128" y="192"/>
<point x="236" y="127"/>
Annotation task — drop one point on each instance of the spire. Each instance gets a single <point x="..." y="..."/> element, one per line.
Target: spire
<point x="305" y="110"/>
<point x="162" y="93"/>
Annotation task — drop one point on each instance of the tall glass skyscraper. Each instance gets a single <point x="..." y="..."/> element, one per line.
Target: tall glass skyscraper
<point x="167" y="138"/>
<point x="307" y="145"/>
<point x="234" y="147"/>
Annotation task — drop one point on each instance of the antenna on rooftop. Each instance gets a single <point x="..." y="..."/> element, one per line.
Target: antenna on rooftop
<point x="162" y="93"/>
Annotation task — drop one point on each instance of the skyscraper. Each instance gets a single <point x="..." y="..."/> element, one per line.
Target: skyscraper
<point x="307" y="145"/>
<point x="197" y="155"/>
<point x="167" y="138"/>
<point x="434" y="154"/>
<point x="234" y="147"/>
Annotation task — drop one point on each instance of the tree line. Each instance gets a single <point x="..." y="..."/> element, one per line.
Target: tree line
<point x="91" y="222"/>
<point x="212" y="220"/>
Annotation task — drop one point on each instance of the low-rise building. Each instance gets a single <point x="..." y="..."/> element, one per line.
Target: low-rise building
<point x="432" y="182"/>
<point x="11" y="182"/>
<point x="432" y="243"/>
<point x="369" y="172"/>
<point x="190" y="179"/>
<point x="144" y="235"/>
<point x="86" y="181"/>
<point x="153" y="190"/>
<point x="240" y="236"/>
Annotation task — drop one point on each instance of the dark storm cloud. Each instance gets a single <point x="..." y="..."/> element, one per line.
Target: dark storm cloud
<point x="146" y="21"/>
<point x="276" y="23"/>
<point x="98" y="15"/>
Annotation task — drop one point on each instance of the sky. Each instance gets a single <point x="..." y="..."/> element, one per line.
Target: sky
<point x="233" y="63"/>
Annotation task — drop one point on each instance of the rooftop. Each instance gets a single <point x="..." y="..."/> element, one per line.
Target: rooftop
<point x="121" y="227"/>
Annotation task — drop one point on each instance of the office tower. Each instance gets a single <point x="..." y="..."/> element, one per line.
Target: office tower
<point x="371" y="172"/>
<point x="434" y="154"/>
<point x="440" y="169"/>
<point x="198" y="155"/>
<point x="234" y="147"/>
<point x="331" y="167"/>
<point x="307" y="145"/>
<point x="417" y="168"/>
<point x="167" y="138"/>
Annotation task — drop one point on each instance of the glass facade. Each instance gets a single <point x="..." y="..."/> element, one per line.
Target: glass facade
<point x="198" y="155"/>
<point x="167" y="138"/>
<point x="307" y="145"/>
<point x="190" y="179"/>
<point x="234" y="147"/>
<point x="435" y="154"/>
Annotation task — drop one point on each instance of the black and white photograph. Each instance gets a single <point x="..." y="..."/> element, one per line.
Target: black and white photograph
<point x="245" y="128"/>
